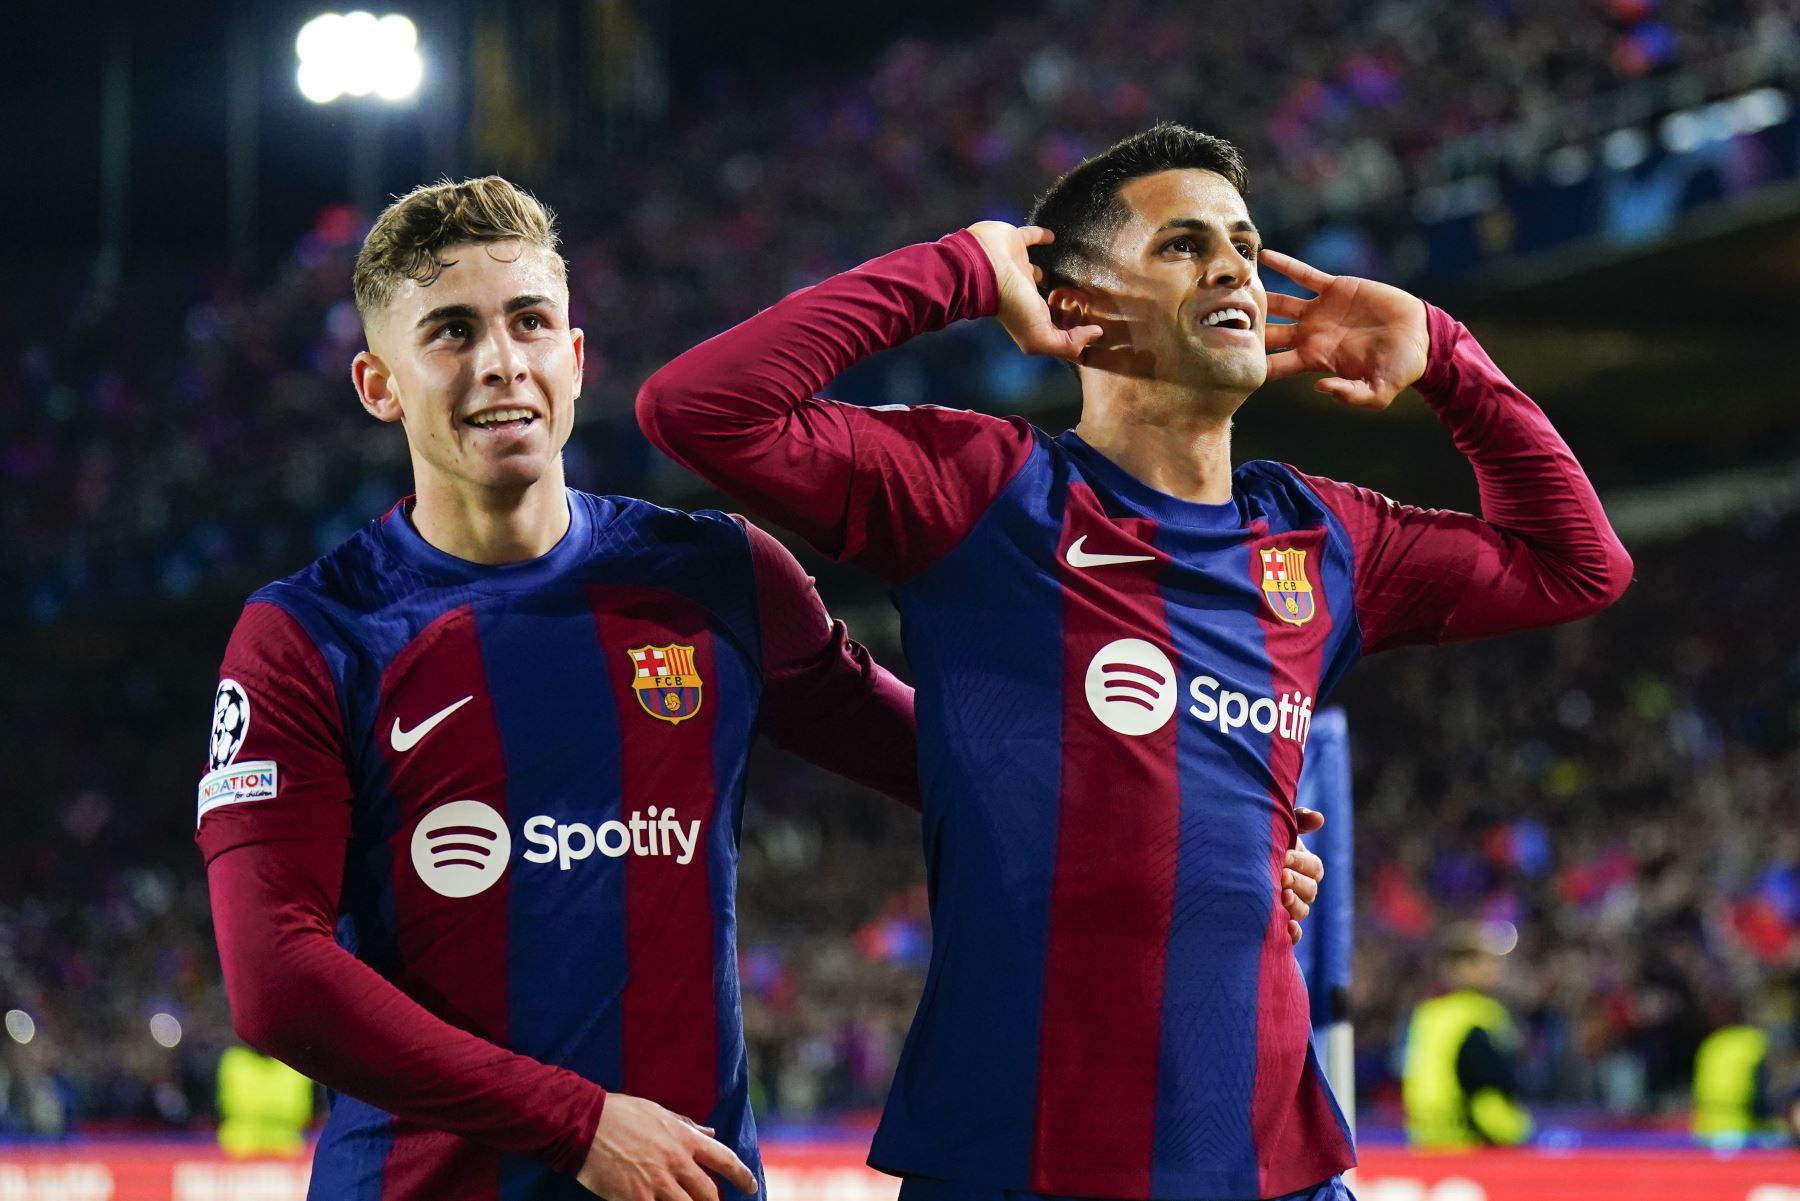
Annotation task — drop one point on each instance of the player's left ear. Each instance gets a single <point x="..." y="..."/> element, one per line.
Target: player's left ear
<point x="579" y="341"/>
<point x="374" y="386"/>
<point x="1070" y="307"/>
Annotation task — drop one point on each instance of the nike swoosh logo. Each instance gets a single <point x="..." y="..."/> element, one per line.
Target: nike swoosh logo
<point x="1081" y="558"/>
<point x="406" y="740"/>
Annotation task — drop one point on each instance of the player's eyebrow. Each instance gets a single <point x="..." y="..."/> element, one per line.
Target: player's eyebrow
<point x="1198" y="225"/>
<point x="446" y="312"/>
<point x="465" y="312"/>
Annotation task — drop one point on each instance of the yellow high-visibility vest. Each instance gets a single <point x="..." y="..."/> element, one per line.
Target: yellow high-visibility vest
<point x="1438" y="1114"/>
<point x="264" y="1105"/>
<point x="1725" y="1082"/>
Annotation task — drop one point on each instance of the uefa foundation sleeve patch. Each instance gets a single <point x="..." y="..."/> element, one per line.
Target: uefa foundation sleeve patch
<point x="227" y="781"/>
<point x="237" y="782"/>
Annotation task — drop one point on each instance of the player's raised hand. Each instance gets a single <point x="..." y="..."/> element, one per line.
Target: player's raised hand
<point x="1024" y="313"/>
<point x="1368" y="338"/>
<point x="1301" y="874"/>
<point x="643" y="1152"/>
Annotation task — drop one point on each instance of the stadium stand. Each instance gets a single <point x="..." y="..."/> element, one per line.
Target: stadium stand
<point x="134" y="416"/>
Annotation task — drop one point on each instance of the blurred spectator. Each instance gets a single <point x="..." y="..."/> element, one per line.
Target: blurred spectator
<point x="1461" y="1072"/>
<point x="264" y="1105"/>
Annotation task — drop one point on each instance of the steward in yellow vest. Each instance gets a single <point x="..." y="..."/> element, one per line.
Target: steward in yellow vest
<point x="264" y="1105"/>
<point x="1459" y="1081"/>
<point x="1730" y="1093"/>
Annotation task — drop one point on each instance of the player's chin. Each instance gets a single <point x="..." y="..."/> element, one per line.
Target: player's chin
<point x="515" y="469"/>
<point x="1252" y="371"/>
<point x="1237" y="370"/>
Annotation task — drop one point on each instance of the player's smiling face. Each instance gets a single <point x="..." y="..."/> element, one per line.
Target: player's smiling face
<point x="1185" y="284"/>
<point x="481" y="366"/>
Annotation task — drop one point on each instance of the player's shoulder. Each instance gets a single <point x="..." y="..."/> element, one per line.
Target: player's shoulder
<point x="711" y="557"/>
<point x="356" y="572"/>
<point x="616" y="519"/>
<point x="1280" y="488"/>
<point x="324" y="600"/>
<point x="1292" y="499"/>
<point x="965" y="426"/>
<point x="1037" y="448"/>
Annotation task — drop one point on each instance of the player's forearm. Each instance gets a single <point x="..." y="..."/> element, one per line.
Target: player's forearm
<point x="297" y="995"/>
<point x="1559" y="558"/>
<point x="865" y="733"/>
<point x="739" y="410"/>
<point x="824" y="696"/>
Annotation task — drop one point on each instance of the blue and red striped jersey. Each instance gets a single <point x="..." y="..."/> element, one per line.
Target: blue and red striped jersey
<point x="531" y="776"/>
<point x="1114" y="691"/>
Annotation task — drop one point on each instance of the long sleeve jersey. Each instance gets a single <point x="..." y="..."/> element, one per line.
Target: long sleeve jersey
<point x="1114" y="692"/>
<point x="472" y="831"/>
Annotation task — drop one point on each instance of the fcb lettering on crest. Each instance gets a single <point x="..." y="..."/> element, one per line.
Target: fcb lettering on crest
<point x="1284" y="584"/>
<point x="667" y="681"/>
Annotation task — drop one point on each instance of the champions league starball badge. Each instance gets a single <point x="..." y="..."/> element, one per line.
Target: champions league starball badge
<point x="230" y="722"/>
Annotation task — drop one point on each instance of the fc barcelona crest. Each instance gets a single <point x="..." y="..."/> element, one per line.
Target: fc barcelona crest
<point x="666" y="681"/>
<point x="1285" y="586"/>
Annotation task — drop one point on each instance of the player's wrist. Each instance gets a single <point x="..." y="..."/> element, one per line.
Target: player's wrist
<point x="1442" y="332"/>
<point x="979" y="277"/>
<point x="573" y="1152"/>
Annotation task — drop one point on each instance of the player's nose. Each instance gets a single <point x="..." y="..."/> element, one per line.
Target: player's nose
<point x="501" y="362"/>
<point x="1226" y="269"/>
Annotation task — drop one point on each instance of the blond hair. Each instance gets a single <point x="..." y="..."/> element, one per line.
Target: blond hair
<point x="410" y="236"/>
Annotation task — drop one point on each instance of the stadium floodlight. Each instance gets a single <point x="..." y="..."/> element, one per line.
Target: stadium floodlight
<point x="358" y="54"/>
<point x="20" y="1026"/>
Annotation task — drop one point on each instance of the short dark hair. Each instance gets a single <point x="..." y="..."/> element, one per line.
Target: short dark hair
<point x="1083" y="209"/>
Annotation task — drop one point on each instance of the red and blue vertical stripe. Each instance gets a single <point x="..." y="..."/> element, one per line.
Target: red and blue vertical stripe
<point x="622" y="970"/>
<point x="1113" y="1008"/>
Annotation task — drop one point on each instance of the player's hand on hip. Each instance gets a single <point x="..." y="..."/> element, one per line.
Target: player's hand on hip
<point x="1369" y="338"/>
<point x="643" y="1152"/>
<point x="1301" y="874"/>
<point x="1025" y="314"/>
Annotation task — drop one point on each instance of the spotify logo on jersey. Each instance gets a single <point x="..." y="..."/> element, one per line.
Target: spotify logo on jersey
<point x="1131" y="687"/>
<point x="461" y="849"/>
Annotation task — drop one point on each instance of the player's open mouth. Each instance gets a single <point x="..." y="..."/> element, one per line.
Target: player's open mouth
<point x="503" y="419"/>
<point x="1228" y="317"/>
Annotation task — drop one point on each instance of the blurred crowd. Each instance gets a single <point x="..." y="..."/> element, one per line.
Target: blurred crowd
<point x="1615" y="789"/>
<point x="195" y="424"/>
<point x="1621" y="790"/>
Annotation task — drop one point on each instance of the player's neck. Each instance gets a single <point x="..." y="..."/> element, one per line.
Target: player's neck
<point x="1163" y="442"/>
<point x="489" y="527"/>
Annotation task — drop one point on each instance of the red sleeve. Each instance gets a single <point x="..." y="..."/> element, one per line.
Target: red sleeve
<point x="1541" y="552"/>
<point x="824" y="696"/>
<point x="275" y="757"/>
<point x="893" y="488"/>
<point x="295" y="994"/>
<point x="274" y="823"/>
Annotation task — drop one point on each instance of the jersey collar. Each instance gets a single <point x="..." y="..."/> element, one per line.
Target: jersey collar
<point x="398" y="531"/>
<point x="1169" y="510"/>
